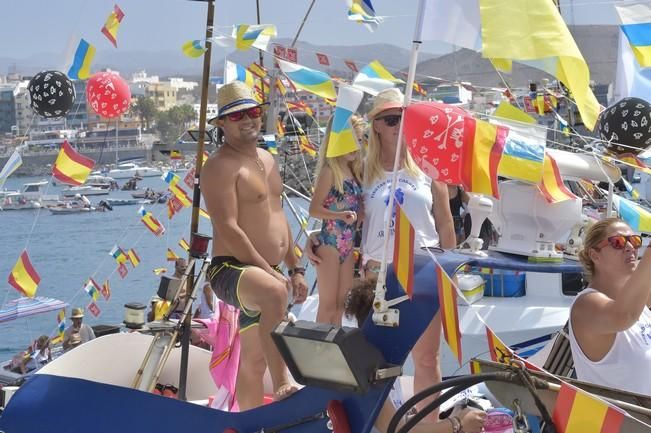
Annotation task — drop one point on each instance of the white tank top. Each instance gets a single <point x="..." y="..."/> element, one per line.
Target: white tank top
<point x="415" y="197"/>
<point x="627" y="365"/>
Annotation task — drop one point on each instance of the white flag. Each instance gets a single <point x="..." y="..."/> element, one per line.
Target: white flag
<point x="11" y="165"/>
<point x="456" y="22"/>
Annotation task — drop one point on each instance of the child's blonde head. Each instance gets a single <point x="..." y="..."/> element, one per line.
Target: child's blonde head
<point x="338" y="163"/>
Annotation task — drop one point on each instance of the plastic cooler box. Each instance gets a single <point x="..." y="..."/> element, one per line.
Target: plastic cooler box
<point x="502" y="283"/>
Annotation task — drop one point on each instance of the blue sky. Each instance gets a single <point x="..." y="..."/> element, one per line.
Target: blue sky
<point x="46" y="26"/>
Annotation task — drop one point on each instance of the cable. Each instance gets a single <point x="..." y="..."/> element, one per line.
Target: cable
<point x="466" y="381"/>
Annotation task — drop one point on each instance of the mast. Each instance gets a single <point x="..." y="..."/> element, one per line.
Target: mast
<point x="196" y="198"/>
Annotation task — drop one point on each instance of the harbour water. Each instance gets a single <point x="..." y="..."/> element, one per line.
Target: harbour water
<point x="66" y="250"/>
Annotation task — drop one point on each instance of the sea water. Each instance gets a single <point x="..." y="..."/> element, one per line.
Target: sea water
<point x="66" y="250"/>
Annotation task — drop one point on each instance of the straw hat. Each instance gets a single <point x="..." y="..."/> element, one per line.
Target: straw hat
<point x="77" y="313"/>
<point x="385" y="100"/>
<point x="233" y="97"/>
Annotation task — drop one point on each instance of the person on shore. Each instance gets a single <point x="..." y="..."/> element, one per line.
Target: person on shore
<point x="77" y="333"/>
<point x="426" y="204"/>
<point x="337" y="200"/>
<point x="242" y="188"/>
<point x="614" y="350"/>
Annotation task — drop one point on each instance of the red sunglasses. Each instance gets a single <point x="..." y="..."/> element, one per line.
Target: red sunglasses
<point x="619" y="241"/>
<point x="253" y="113"/>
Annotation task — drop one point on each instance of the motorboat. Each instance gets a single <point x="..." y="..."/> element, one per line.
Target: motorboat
<point x="129" y="170"/>
<point x="14" y="200"/>
<point x="100" y="181"/>
<point x="126" y="201"/>
<point x="86" y="190"/>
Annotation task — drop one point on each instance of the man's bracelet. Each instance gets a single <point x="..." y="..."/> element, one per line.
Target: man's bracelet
<point x="296" y="270"/>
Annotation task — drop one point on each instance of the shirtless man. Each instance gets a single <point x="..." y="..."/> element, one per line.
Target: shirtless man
<point x="241" y="187"/>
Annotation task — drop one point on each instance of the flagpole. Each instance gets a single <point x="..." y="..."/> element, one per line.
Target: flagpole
<point x="380" y="302"/>
<point x="196" y="198"/>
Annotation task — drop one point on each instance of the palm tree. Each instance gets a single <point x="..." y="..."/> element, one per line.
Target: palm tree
<point x="146" y="110"/>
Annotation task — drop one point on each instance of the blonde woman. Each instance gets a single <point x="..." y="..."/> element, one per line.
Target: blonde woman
<point x="610" y="321"/>
<point x="337" y="200"/>
<point x="426" y="204"/>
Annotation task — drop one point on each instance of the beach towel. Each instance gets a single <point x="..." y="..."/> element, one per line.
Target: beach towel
<point x="222" y="333"/>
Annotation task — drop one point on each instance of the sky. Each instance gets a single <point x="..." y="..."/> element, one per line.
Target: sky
<point x="46" y="26"/>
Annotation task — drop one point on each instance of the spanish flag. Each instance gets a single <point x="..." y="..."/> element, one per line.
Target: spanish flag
<point x="499" y="351"/>
<point x="403" y="251"/>
<point x="482" y="152"/>
<point x="172" y="181"/>
<point x="449" y="312"/>
<point x="176" y="154"/>
<point x="576" y="411"/>
<point x="150" y="221"/>
<point x="552" y="186"/>
<point x="106" y="290"/>
<point x="23" y="276"/>
<point x="112" y="24"/>
<point x="171" y="255"/>
<point x="184" y="244"/>
<point x="133" y="257"/>
<point x="204" y="214"/>
<point x="71" y="167"/>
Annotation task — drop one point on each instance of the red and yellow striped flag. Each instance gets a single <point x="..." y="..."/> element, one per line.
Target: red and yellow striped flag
<point x="576" y="411"/>
<point x="150" y="221"/>
<point x="71" y="167"/>
<point x="631" y="160"/>
<point x="23" y="276"/>
<point x="257" y="70"/>
<point x="482" y="152"/>
<point x="106" y="290"/>
<point x="499" y="351"/>
<point x="449" y="312"/>
<point x="176" y="154"/>
<point x="204" y="214"/>
<point x="133" y="257"/>
<point x="403" y="251"/>
<point x="552" y="186"/>
<point x="184" y="244"/>
<point x="171" y="255"/>
<point x="112" y="25"/>
<point x="475" y="368"/>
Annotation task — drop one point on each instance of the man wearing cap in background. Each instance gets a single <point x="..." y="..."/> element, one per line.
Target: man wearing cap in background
<point x="242" y="189"/>
<point x="77" y="333"/>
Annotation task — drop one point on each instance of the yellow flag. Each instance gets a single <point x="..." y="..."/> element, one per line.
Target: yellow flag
<point x="533" y="32"/>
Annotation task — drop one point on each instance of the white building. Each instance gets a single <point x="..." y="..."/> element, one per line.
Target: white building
<point x="211" y="111"/>
<point x="142" y="77"/>
<point x="180" y="84"/>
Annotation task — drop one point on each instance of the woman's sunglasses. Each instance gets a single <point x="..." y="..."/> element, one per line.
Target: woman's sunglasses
<point x="619" y="241"/>
<point x="253" y="113"/>
<point x="391" y="120"/>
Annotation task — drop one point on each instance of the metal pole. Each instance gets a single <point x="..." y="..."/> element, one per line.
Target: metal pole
<point x="196" y="198"/>
<point x="302" y="23"/>
<point x="260" y="55"/>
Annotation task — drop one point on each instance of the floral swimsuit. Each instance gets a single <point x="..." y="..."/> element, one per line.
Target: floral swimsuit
<point x="337" y="233"/>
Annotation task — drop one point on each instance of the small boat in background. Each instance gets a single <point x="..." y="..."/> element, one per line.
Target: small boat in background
<point x="84" y="190"/>
<point x="126" y="201"/>
<point x="129" y="170"/>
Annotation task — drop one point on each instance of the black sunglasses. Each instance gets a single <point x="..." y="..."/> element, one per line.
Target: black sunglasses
<point x="391" y="120"/>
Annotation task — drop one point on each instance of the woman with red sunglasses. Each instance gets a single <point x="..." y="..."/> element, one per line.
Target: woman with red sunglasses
<point x="610" y="321"/>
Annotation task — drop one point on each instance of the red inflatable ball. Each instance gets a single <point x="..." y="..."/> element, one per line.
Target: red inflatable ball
<point x="434" y="135"/>
<point x="108" y="94"/>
